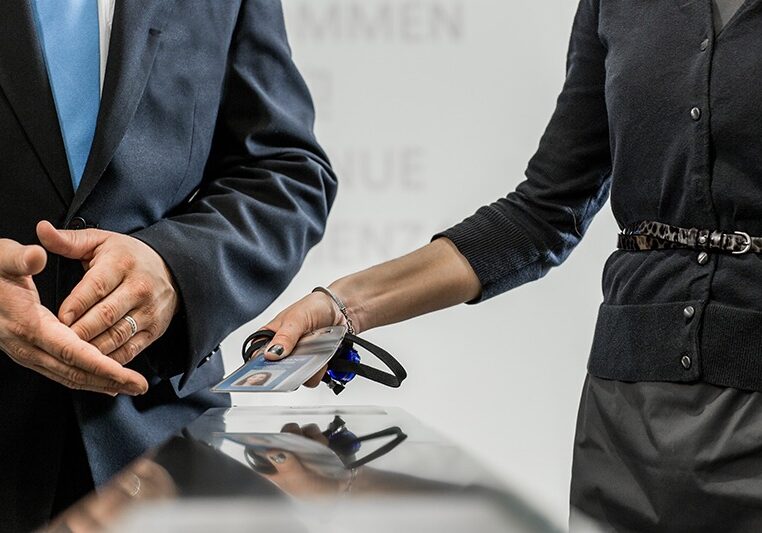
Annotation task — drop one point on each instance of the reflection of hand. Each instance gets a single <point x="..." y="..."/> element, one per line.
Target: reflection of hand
<point x="312" y="312"/>
<point x="290" y="473"/>
<point x="34" y="338"/>
<point x="124" y="277"/>
<point x="144" y="480"/>
<point x="310" y="431"/>
<point x="296" y="479"/>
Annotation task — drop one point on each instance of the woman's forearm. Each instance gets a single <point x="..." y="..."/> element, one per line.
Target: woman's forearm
<point x="431" y="278"/>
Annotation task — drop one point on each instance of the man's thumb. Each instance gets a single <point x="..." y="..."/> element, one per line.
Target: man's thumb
<point x="74" y="244"/>
<point x="19" y="260"/>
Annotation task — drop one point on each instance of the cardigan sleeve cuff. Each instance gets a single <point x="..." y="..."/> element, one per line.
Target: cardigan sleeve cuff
<point x="498" y="250"/>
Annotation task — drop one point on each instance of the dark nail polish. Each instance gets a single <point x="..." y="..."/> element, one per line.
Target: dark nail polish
<point x="276" y="349"/>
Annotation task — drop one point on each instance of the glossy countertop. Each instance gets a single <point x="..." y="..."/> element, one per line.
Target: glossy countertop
<point x="332" y="469"/>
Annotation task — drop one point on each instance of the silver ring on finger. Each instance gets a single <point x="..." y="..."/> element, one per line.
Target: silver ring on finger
<point x="133" y="325"/>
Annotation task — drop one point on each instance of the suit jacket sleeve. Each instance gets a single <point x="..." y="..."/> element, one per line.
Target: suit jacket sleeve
<point x="520" y="237"/>
<point x="263" y="202"/>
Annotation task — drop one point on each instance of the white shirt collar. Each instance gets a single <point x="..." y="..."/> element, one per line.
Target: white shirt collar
<point x="105" y="19"/>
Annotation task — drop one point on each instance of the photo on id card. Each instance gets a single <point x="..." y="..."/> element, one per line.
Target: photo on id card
<point x="312" y="352"/>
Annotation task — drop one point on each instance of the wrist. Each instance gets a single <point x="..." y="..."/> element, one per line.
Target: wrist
<point x="353" y="303"/>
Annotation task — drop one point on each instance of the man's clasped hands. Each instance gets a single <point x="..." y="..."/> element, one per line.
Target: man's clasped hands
<point x="87" y="345"/>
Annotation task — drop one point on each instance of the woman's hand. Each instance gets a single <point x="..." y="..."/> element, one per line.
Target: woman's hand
<point x="312" y="312"/>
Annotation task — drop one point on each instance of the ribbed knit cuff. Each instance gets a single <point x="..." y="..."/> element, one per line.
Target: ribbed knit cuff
<point x="497" y="249"/>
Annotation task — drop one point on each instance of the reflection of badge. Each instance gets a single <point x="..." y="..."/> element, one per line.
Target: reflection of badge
<point x="335" y="461"/>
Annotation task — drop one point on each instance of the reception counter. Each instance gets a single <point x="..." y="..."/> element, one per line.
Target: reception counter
<point x="368" y="469"/>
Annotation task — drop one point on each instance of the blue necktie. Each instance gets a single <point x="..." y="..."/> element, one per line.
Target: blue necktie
<point x="70" y="38"/>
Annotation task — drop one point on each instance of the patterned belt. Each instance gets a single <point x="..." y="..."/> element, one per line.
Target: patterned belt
<point x="649" y="235"/>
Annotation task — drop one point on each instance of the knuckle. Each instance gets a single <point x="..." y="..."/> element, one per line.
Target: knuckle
<point x="23" y="354"/>
<point x="68" y="353"/>
<point x="24" y="330"/>
<point x="289" y="335"/>
<point x="100" y="286"/>
<point x="132" y="348"/>
<point x="77" y="302"/>
<point x="126" y="262"/>
<point x="18" y="329"/>
<point x="282" y="339"/>
<point x="75" y="375"/>
<point x="152" y="330"/>
<point x="108" y="313"/>
<point x="149" y="309"/>
<point x="118" y="335"/>
<point x="63" y="381"/>
<point x="81" y="331"/>
<point x="142" y="288"/>
<point x="121" y="356"/>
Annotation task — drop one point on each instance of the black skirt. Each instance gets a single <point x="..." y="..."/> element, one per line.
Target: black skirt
<point x="667" y="457"/>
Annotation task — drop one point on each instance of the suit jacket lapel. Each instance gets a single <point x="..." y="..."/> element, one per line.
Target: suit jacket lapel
<point x="24" y="80"/>
<point x="135" y="35"/>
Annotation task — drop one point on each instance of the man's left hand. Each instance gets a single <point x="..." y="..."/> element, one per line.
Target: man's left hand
<point x="124" y="277"/>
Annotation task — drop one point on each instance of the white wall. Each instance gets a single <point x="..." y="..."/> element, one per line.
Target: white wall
<point x="429" y="109"/>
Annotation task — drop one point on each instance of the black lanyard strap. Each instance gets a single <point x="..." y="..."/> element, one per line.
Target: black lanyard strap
<point x="393" y="380"/>
<point x="346" y="444"/>
<point x="255" y="342"/>
<point x="395" y="431"/>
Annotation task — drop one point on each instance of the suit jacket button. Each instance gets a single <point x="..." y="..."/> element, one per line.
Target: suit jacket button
<point x="77" y="223"/>
<point x="686" y="362"/>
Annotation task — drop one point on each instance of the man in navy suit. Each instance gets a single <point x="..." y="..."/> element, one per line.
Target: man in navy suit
<point x="160" y="185"/>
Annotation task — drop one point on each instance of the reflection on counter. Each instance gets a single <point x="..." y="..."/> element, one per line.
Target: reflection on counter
<point x="303" y="470"/>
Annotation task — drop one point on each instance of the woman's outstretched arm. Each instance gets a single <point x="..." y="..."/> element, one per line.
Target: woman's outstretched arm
<point x="433" y="277"/>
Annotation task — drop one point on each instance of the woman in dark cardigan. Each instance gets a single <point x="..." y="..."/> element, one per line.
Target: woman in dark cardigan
<point x="662" y="107"/>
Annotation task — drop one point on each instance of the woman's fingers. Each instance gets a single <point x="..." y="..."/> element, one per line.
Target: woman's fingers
<point x="312" y="312"/>
<point x="286" y="337"/>
<point x="292" y="428"/>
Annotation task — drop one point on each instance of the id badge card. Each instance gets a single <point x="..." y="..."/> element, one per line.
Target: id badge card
<point x="311" y="353"/>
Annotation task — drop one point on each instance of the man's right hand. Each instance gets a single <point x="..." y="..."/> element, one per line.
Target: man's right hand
<point x="34" y="338"/>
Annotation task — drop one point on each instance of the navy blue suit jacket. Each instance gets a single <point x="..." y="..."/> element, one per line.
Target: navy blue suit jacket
<point x="204" y="150"/>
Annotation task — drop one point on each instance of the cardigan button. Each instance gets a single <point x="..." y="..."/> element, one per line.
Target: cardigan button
<point x="686" y="362"/>
<point x="695" y="113"/>
<point x="703" y="258"/>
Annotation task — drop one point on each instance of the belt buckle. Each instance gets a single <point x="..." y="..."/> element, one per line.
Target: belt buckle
<point x="747" y="246"/>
